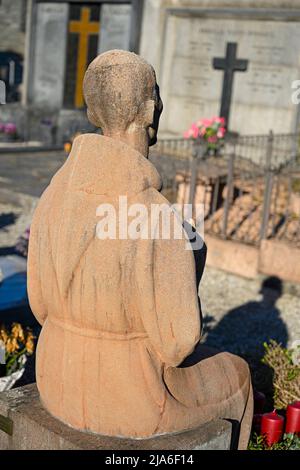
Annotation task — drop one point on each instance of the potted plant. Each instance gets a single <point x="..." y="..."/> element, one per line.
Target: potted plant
<point x="15" y="345"/>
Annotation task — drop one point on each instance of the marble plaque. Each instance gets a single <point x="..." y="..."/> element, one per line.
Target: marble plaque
<point x="114" y="27"/>
<point x="261" y="98"/>
<point x="49" y="54"/>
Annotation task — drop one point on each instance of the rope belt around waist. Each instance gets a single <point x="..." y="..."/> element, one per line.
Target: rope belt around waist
<point x="91" y="333"/>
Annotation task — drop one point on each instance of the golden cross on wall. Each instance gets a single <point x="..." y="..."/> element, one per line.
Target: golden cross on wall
<point x="84" y="28"/>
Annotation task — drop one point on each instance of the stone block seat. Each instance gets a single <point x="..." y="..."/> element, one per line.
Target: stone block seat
<point x="26" y="425"/>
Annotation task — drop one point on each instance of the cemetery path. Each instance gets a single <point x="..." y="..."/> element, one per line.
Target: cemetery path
<point x="29" y="173"/>
<point x="23" y="178"/>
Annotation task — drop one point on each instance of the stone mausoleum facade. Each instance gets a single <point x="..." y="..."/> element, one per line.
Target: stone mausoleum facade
<point x="45" y="47"/>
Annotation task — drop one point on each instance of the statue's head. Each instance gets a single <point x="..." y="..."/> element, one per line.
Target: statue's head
<point x="122" y="95"/>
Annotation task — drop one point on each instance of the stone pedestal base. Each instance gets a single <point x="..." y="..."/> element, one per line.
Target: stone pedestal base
<point x="26" y="425"/>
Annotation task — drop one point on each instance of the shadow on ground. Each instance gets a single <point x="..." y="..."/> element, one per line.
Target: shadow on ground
<point x="244" y="330"/>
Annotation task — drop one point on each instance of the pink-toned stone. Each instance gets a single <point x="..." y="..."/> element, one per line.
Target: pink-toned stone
<point x="280" y="259"/>
<point x="119" y="316"/>
<point x="237" y="258"/>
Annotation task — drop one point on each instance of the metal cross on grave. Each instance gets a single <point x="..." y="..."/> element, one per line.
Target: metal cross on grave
<point x="229" y="64"/>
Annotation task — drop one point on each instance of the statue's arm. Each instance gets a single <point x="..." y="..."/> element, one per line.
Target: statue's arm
<point x="33" y="269"/>
<point x="200" y="253"/>
<point x="175" y="326"/>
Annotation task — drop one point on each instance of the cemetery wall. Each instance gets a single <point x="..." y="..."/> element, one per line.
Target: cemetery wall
<point x="181" y="43"/>
<point x="53" y="101"/>
<point x="154" y="18"/>
<point x="12" y="25"/>
<point x="271" y="258"/>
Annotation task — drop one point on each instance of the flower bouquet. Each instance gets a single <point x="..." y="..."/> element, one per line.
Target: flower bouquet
<point x="15" y="346"/>
<point x="8" y="132"/>
<point x="212" y="131"/>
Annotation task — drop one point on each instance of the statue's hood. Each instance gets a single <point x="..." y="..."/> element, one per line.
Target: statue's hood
<point x="105" y="166"/>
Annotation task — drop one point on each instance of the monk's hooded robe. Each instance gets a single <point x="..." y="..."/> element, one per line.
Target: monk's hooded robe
<point x="119" y="315"/>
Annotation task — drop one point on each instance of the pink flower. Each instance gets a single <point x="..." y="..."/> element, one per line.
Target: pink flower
<point x="218" y="120"/>
<point x="221" y="132"/>
<point x="212" y="139"/>
<point x="189" y="133"/>
<point x="195" y="130"/>
<point x="207" y="122"/>
<point x="10" y="128"/>
<point x="199" y="128"/>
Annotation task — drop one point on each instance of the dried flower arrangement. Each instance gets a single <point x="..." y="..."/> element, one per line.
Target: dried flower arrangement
<point x="16" y="344"/>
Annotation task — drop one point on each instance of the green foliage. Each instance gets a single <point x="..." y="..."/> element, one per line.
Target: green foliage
<point x="286" y="389"/>
<point x="289" y="442"/>
<point x="286" y="381"/>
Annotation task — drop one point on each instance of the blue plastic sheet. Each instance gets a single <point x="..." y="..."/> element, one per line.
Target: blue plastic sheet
<point x="13" y="290"/>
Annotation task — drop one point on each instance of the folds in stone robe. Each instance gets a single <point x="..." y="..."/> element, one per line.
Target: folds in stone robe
<point x="119" y="315"/>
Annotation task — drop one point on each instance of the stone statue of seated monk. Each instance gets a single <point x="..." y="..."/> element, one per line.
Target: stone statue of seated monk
<point x="119" y="350"/>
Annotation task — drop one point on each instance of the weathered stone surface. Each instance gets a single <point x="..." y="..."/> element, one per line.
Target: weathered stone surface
<point x="34" y="428"/>
<point x="49" y="57"/>
<point x="114" y="28"/>
<point x="280" y="259"/>
<point x="12" y="26"/>
<point x="237" y="258"/>
<point x="189" y="34"/>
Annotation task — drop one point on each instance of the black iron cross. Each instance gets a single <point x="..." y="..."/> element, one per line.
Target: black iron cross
<point x="229" y="64"/>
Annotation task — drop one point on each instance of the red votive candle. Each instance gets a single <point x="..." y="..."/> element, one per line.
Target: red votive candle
<point x="259" y="402"/>
<point x="272" y="427"/>
<point x="293" y="418"/>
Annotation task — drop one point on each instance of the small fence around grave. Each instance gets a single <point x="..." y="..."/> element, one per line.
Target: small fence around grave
<point x="250" y="189"/>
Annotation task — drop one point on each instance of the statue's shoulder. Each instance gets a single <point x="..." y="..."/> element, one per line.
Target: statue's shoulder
<point x="151" y="195"/>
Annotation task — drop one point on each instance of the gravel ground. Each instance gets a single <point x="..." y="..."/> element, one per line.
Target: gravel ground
<point x="237" y="317"/>
<point x="15" y="216"/>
